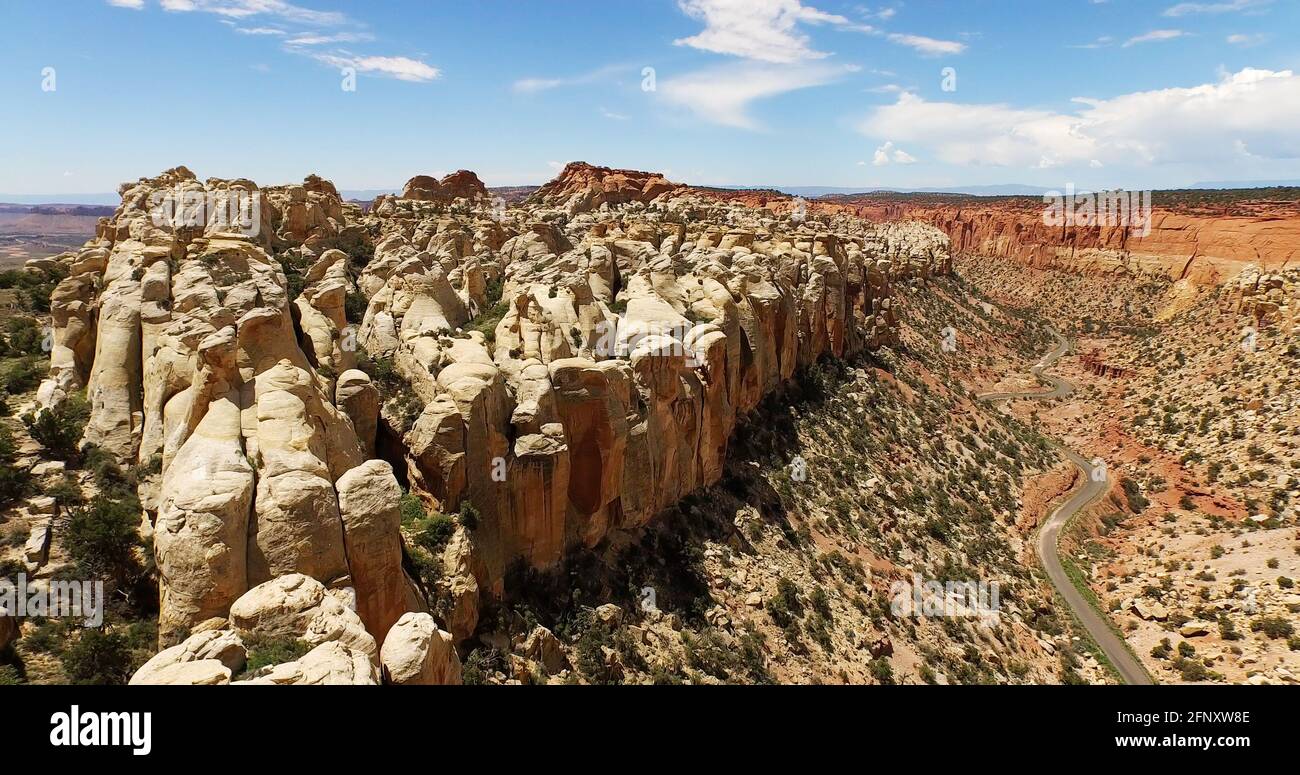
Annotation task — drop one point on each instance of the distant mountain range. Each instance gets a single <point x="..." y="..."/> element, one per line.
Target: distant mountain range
<point x="1248" y="184"/>
<point x="810" y="192"/>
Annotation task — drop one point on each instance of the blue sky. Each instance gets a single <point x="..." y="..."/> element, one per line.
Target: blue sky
<point x="1133" y="93"/>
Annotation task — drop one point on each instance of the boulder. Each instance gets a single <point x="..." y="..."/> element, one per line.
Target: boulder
<point x="206" y="672"/>
<point x="369" y="497"/>
<point x="329" y="664"/>
<point x="221" y="646"/>
<point x="543" y="647"/>
<point x="297" y="607"/>
<point x="417" y="653"/>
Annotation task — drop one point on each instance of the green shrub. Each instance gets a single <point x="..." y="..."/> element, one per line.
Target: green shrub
<point x="22" y="375"/>
<point x="267" y="652"/>
<point x="412" y="509"/>
<point x="354" y="307"/>
<point x="1273" y="626"/>
<point x="1193" y="670"/>
<point x="34" y="288"/>
<point x="9" y="676"/>
<point x="108" y="474"/>
<point x="434" y="532"/>
<point x="13" y="482"/>
<point x="1133" y="494"/>
<point x="24" y="337"/>
<point x="469" y="516"/>
<point x="102" y="536"/>
<point x="785" y="607"/>
<point x="98" y="657"/>
<point x="59" y="429"/>
<point x="881" y="671"/>
<point x="488" y="320"/>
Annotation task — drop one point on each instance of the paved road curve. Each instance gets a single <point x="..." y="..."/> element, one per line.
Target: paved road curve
<point x="1095" y="485"/>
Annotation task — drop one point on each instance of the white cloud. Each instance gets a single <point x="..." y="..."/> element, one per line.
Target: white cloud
<point x="612" y="116"/>
<point x="1105" y="41"/>
<point x="1254" y="111"/>
<point x="401" y="68"/>
<point x="765" y="30"/>
<point x="723" y="95"/>
<point x="241" y="9"/>
<point x="887" y="154"/>
<point x="534" y="85"/>
<point x="1185" y="9"/>
<point x="310" y="39"/>
<point x="1153" y="36"/>
<point x="1246" y="40"/>
<point x="927" y="46"/>
<point x="307" y="37"/>
<point x="134" y="5"/>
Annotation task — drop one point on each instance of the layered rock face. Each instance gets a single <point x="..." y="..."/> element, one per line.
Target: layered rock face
<point x="1205" y="248"/>
<point x="581" y="187"/>
<point x="462" y="184"/>
<point x="568" y="369"/>
<point x="623" y="347"/>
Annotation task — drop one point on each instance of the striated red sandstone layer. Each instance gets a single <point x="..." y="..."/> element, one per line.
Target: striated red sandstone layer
<point x="582" y="187"/>
<point x="1205" y="249"/>
<point x="1205" y="245"/>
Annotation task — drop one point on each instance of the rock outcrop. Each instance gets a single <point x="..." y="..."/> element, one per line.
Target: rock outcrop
<point x="1207" y="248"/>
<point x="417" y="653"/>
<point x="462" y="184"/>
<point x="286" y="611"/>
<point x="581" y="187"/>
<point x="552" y="375"/>
<point x="196" y="361"/>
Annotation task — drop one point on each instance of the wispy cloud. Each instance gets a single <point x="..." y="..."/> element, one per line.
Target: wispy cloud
<point x="304" y="31"/>
<point x="723" y="95"/>
<point x="242" y="9"/>
<point x="401" y="68"/>
<point x="257" y="30"/>
<point x="1246" y="40"/>
<point x="763" y="30"/>
<point x="1105" y="41"/>
<point x="537" y="84"/>
<point x="927" y="46"/>
<point x="310" y="39"/>
<point x="1232" y="6"/>
<point x="1154" y="36"/>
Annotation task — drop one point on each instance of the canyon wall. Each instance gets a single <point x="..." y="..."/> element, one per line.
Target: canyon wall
<point x="552" y="373"/>
<point x="1204" y="245"/>
<point x="1205" y="249"/>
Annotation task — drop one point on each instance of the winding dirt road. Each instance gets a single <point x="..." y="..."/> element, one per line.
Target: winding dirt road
<point x="1095" y="485"/>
